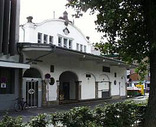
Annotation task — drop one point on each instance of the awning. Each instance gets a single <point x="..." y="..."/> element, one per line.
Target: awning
<point x="14" y="65"/>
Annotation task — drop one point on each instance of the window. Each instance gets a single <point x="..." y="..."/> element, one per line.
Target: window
<point x="39" y="37"/>
<point x="52" y="68"/>
<point x="81" y="48"/>
<point x="115" y="74"/>
<point x="60" y="41"/>
<point x="45" y="39"/>
<point x="7" y="76"/>
<point x="50" y="39"/>
<point x="84" y="48"/>
<point x="70" y="44"/>
<point x="88" y="75"/>
<point x="77" y="46"/>
<point x="106" y="69"/>
<point x="115" y="82"/>
<point x="65" y="43"/>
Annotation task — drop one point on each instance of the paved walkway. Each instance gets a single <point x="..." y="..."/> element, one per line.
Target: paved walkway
<point x="29" y="113"/>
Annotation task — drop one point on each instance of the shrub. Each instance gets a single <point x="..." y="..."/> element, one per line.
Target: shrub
<point x="8" y="121"/>
<point x="76" y="117"/>
<point x="123" y="114"/>
<point x="117" y="115"/>
<point x="39" y="121"/>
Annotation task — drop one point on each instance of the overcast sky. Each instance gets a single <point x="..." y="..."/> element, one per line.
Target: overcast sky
<point x="44" y="9"/>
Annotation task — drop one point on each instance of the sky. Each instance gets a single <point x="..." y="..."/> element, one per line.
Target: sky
<point x="45" y="9"/>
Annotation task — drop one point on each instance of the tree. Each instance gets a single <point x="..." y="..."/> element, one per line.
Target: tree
<point x="130" y="29"/>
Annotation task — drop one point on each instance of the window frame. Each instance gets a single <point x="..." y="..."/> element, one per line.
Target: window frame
<point x="85" y="48"/>
<point x="70" y="44"/>
<point x="65" y="42"/>
<point x="45" y="37"/>
<point x="60" y="41"/>
<point x="77" y="46"/>
<point x="51" y="39"/>
<point x="81" y="47"/>
<point x="39" y="37"/>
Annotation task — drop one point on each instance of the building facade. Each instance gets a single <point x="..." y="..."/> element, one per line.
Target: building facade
<point x="63" y="68"/>
<point x="10" y="65"/>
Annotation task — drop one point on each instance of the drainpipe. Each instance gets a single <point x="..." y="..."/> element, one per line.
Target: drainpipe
<point x="19" y="51"/>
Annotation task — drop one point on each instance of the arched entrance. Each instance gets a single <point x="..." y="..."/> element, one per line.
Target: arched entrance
<point x="32" y="87"/>
<point x="104" y="86"/>
<point x="68" y="88"/>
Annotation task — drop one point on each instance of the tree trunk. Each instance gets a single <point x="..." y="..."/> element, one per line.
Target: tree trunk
<point x="150" y="116"/>
<point x="150" y="16"/>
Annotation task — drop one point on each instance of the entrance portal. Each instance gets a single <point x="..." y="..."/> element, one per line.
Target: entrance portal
<point x="68" y="88"/>
<point x="32" y="92"/>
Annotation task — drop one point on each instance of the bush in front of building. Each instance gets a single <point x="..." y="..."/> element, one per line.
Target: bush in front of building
<point x="76" y="117"/>
<point x="8" y="121"/>
<point x="123" y="114"/>
<point x="42" y="120"/>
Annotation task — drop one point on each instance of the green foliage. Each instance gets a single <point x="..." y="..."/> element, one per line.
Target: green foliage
<point x="124" y="26"/>
<point x="123" y="114"/>
<point x="76" y="117"/>
<point x="122" y="23"/>
<point x="39" y="121"/>
<point x="142" y="70"/>
<point x="8" y="121"/>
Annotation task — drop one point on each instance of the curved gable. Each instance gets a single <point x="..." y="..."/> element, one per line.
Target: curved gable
<point x="55" y="31"/>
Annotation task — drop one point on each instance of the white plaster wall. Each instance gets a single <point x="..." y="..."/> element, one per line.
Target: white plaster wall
<point x="120" y="85"/>
<point x="21" y="35"/>
<point x="27" y="33"/>
<point x="53" y="28"/>
<point x="81" y="68"/>
<point x="87" y="87"/>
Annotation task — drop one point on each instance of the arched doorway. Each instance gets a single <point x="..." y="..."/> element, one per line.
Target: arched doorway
<point x="104" y="86"/>
<point x="68" y="88"/>
<point x="32" y="87"/>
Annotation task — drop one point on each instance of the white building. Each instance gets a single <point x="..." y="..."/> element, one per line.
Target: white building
<point x="63" y="68"/>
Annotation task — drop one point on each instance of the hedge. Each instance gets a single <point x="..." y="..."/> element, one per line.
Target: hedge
<point x="123" y="114"/>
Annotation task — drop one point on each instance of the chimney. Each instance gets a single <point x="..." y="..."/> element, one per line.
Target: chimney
<point x="65" y="15"/>
<point x="29" y="19"/>
<point x="87" y="37"/>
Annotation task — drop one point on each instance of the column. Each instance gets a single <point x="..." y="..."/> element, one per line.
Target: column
<point x="96" y="90"/>
<point x="110" y="89"/>
<point x="78" y="90"/>
<point x="1" y="23"/>
<point x="44" y="102"/>
<point x="6" y="26"/>
<point x="13" y="27"/>
<point x="58" y="86"/>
